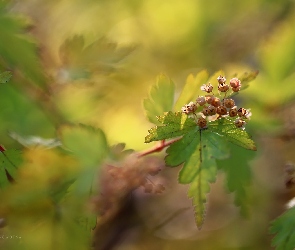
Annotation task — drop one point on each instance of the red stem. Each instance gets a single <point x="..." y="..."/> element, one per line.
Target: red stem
<point x="158" y="148"/>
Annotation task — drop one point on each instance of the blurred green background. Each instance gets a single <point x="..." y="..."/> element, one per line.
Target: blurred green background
<point x="93" y="62"/>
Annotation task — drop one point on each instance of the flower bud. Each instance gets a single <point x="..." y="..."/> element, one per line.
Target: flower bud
<point x="221" y="110"/>
<point x="221" y="79"/>
<point x="201" y="100"/>
<point x="202" y="122"/>
<point x="229" y="103"/>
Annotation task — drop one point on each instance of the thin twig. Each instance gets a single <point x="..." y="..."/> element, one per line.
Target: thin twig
<point x="158" y="148"/>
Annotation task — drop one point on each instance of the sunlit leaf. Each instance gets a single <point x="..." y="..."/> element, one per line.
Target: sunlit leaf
<point x="283" y="227"/>
<point x="160" y="98"/>
<point x="227" y="128"/>
<point x="191" y="89"/>
<point x="175" y="124"/>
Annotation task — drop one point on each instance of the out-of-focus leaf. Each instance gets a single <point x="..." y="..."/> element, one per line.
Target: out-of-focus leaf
<point x="18" y="50"/>
<point x="175" y="124"/>
<point x="89" y="145"/>
<point x="160" y="98"/>
<point x="5" y="76"/>
<point x="191" y="88"/>
<point x="80" y="61"/>
<point x="87" y="222"/>
<point x="283" y="227"/>
<point x="9" y="161"/>
<point x="118" y="151"/>
<point x="238" y="175"/>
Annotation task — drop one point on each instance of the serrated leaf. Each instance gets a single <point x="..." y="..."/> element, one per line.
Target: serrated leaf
<point x="9" y="161"/>
<point x="102" y="56"/>
<point x="238" y="175"/>
<point x="283" y="227"/>
<point x="160" y="100"/>
<point x="227" y="128"/>
<point x="5" y="76"/>
<point x="191" y="89"/>
<point x="175" y="124"/>
<point x="198" y="149"/>
<point x="87" y="143"/>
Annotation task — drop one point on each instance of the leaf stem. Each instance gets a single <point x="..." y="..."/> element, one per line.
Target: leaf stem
<point x="158" y="148"/>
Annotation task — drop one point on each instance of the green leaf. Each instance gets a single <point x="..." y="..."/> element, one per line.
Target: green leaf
<point x="175" y="124"/>
<point x="283" y="227"/>
<point x="80" y="61"/>
<point x="89" y="145"/>
<point x="238" y="175"/>
<point x="9" y="162"/>
<point x="198" y="149"/>
<point x="5" y="76"/>
<point x="18" y="50"/>
<point x="227" y="128"/>
<point x="160" y="98"/>
<point x="191" y="88"/>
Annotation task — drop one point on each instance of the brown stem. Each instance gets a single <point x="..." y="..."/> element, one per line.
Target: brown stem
<point x="158" y="148"/>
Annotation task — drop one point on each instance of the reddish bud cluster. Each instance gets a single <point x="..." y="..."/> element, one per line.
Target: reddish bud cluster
<point x="213" y="107"/>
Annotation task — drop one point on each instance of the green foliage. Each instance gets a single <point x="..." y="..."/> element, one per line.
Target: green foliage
<point x="81" y="60"/>
<point x="22" y="50"/>
<point x="5" y="76"/>
<point x="283" y="227"/>
<point x="226" y="128"/>
<point x="9" y="162"/>
<point x="160" y="99"/>
<point x="238" y="175"/>
<point x="198" y="149"/>
<point x="191" y="87"/>
<point x="176" y="124"/>
<point x="89" y="145"/>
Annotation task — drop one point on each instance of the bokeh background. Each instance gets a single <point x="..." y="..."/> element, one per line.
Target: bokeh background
<point x="93" y="62"/>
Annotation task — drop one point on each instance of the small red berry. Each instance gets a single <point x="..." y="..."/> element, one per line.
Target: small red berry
<point x="236" y="89"/>
<point x="229" y="103"/>
<point x="201" y="100"/>
<point x="212" y="110"/>
<point x="233" y="112"/>
<point x="209" y="98"/>
<point x="223" y="87"/>
<point x="202" y="122"/>
<point x="240" y="123"/>
<point x="215" y="102"/>
<point x="207" y="87"/>
<point x="235" y="83"/>
<point x="221" y="79"/>
<point x="206" y="111"/>
<point x="221" y="110"/>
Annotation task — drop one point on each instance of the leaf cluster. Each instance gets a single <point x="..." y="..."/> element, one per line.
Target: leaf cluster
<point x="198" y="149"/>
